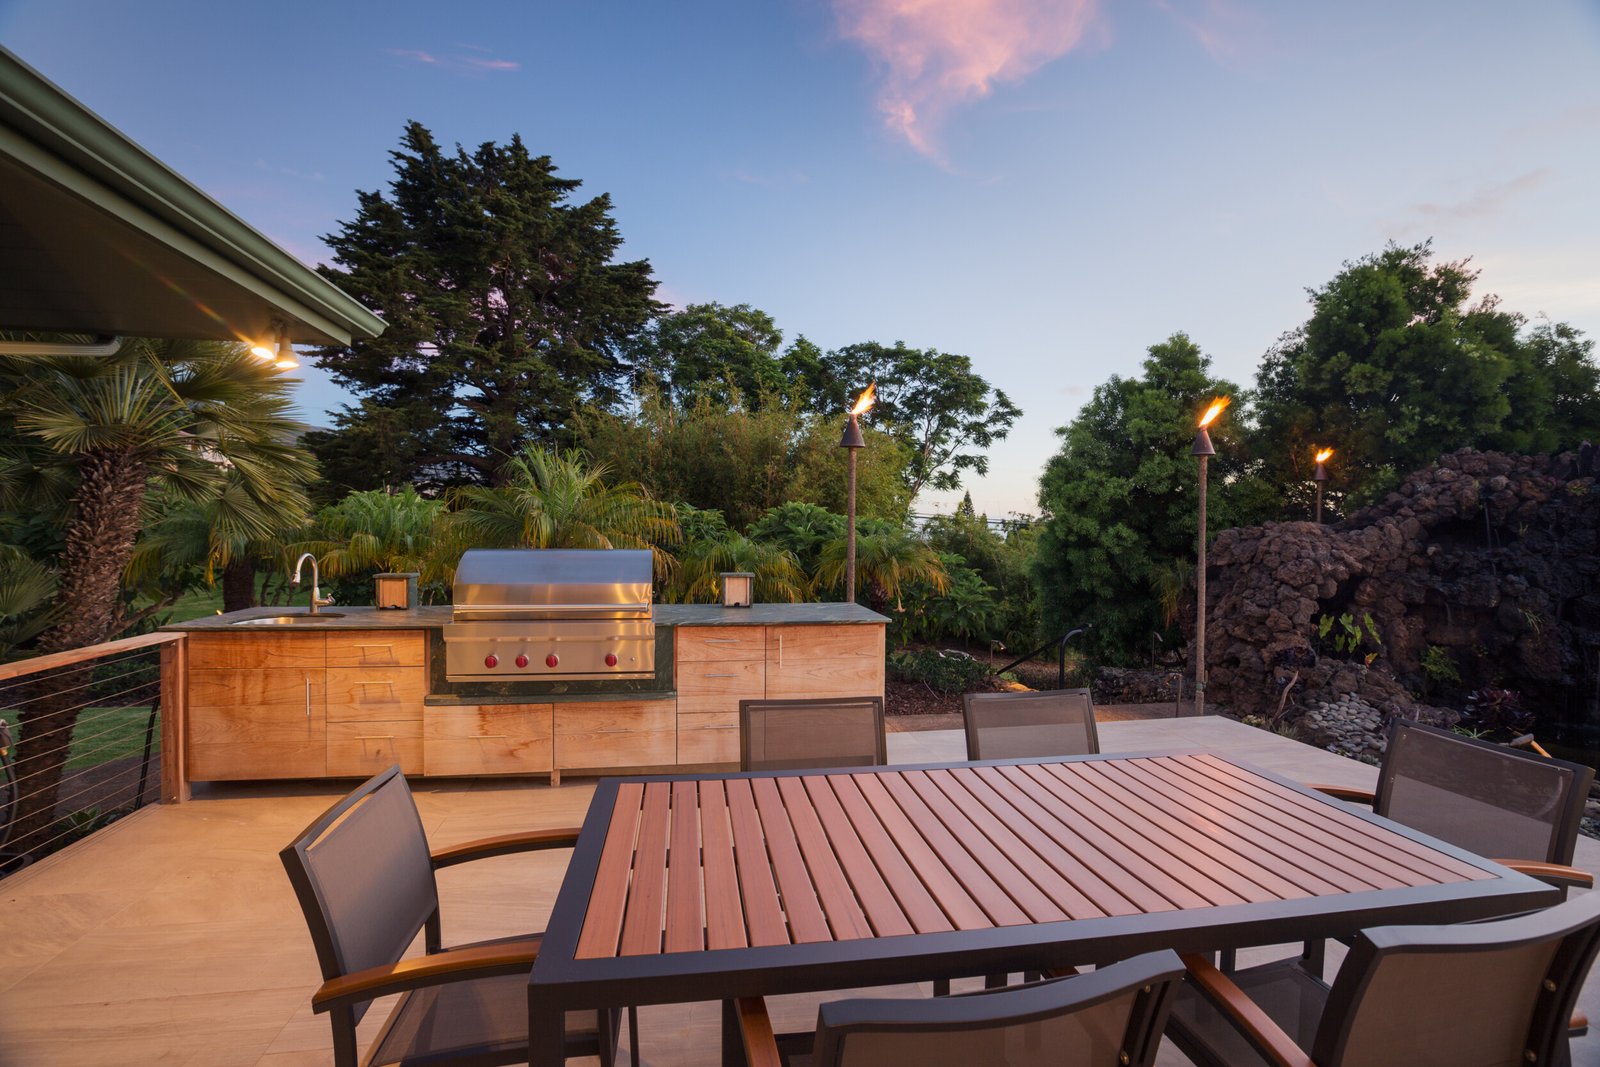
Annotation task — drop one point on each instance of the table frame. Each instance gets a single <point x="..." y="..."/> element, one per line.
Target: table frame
<point x="560" y="982"/>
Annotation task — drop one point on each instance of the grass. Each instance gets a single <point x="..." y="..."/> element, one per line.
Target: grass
<point x="197" y="604"/>
<point x="101" y="735"/>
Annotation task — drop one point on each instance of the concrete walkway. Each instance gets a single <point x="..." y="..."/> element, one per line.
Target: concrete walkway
<point x="172" y="937"/>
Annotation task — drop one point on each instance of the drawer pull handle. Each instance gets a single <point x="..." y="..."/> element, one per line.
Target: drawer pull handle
<point x="720" y="640"/>
<point x="375" y="737"/>
<point x="491" y="737"/>
<point x="734" y="674"/>
<point x="724" y="726"/>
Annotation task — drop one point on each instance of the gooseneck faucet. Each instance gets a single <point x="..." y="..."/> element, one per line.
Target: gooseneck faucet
<point x="318" y="601"/>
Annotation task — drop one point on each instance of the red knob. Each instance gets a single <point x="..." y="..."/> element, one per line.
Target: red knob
<point x="551" y="660"/>
<point x="522" y="661"/>
<point x="491" y="660"/>
<point x="611" y="659"/>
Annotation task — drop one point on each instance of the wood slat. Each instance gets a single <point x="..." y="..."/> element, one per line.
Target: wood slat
<point x="806" y="919"/>
<point x="876" y="900"/>
<point x="686" y="920"/>
<point x="723" y="902"/>
<point x="602" y="922"/>
<point x="839" y="904"/>
<point x="954" y="902"/>
<point x="641" y="926"/>
<point x="763" y="912"/>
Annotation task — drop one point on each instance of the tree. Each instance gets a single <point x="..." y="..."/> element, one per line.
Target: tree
<point x="1553" y="391"/>
<point x="888" y="560"/>
<point x="505" y="311"/>
<point x="160" y="416"/>
<point x="704" y="560"/>
<point x="725" y="355"/>
<point x="1120" y="499"/>
<point x="379" y="532"/>
<point x="930" y="400"/>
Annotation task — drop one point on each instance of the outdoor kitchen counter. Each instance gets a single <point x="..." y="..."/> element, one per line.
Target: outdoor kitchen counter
<point x="349" y="696"/>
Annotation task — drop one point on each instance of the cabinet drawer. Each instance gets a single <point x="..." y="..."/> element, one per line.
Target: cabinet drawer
<point x="209" y="762"/>
<point x="362" y="749"/>
<point x="824" y="661"/>
<point x="368" y="693"/>
<point x="250" y="723"/>
<point x="486" y="739"/>
<point x="249" y="689"/>
<point x="699" y="644"/>
<point x="737" y="679"/>
<point x="257" y="650"/>
<point x="708" y="737"/>
<point x="617" y="734"/>
<point x="378" y="648"/>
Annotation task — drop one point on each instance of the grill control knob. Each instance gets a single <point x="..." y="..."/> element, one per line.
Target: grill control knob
<point x="551" y="660"/>
<point x="611" y="659"/>
<point x="491" y="660"/>
<point x="522" y="661"/>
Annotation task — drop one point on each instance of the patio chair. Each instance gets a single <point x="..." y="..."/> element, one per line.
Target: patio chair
<point x="1109" y="1018"/>
<point x="787" y="735"/>
<point x="365" y="880"/>
<point x="1495" y="994"/>
<point x="1058" y="722"/>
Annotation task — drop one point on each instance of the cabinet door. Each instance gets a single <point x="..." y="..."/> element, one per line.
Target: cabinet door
<point x="708" y="706"/>
<point x="486" y="739"/>
<point x="377" y="648"/>
<point x="362" y="749"/>
<point x="375" y="693"/>
<point x="251" y="651"/>
<point x="246" y="724"/>
<point x="825" y="661"/>
<point x="604" y="734"/>
<point x="700" y="644"/>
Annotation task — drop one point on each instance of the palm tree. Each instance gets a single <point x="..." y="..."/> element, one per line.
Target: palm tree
<point x="887" y="559"/>
<point x="160" y="416"/>
<point x="702" y="561"/>
<point x="382" y="530"/>
<point x="26" y="589"/>
<point x="556" y="500"/>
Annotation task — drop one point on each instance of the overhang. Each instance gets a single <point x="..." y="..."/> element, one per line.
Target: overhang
<point x="99" y="236"/>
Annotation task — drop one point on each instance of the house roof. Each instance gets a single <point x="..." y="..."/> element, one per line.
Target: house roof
<point x="99" y="236"/>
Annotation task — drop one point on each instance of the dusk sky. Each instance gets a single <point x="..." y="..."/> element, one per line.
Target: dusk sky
<point x="1046" y="186"/>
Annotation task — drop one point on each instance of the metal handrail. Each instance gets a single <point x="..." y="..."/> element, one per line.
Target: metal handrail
<point x="1061" y="654"/>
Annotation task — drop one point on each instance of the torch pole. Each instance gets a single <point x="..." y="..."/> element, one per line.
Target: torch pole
<point x="850" y="531"/>
<point x="1200" y="598"/>
<point x="1319" y="503"/>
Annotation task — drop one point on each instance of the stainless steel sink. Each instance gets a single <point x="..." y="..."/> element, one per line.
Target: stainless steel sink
<point x="289" y="620"/>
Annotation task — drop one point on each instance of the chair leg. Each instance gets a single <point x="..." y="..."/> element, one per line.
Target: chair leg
<point x="996" y="981"/>
<point x="633" y="1035"/>
<point x="1314" y="957"/>
<point x="1228" y="961"/>
<point x="941" y="987"/>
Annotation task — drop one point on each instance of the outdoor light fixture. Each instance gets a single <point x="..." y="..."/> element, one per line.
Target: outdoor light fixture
<point x="286" y="358"/>
<point x="1203" y="449"/>
<point x="1320" y="477"/>
<point x="738" y="589"/>
<point x="266" y="351"/>
<point x="853" y="442"/>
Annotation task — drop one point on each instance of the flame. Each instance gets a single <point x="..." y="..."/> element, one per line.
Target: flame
<point x="865" y="400"/>
<point x="1322" y="456"/>
<point x="1214" y="410"/>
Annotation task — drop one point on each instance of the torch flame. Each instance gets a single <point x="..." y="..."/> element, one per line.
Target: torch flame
<point x="1213" y="411"/>
<point x="1322" y="456"/>
<point x="865" y="400"/>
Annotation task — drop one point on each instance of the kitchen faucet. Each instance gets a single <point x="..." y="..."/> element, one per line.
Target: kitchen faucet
<point x="318" y="601"/>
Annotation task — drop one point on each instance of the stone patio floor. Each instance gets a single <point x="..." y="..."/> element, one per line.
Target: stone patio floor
<point x="172" y="937"/>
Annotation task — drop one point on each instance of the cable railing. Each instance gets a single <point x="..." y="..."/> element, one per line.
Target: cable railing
<point x="83" y="740"/>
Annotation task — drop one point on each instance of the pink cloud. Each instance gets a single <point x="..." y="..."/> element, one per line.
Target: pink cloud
<point x="938" y="54"/>
<point x="456" y="60"/>
<point x="1225" y="30"/>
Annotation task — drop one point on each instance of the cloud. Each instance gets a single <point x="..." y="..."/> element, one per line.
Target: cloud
<point x="457" y="59"/>
<point x="1226" y="32"/>
<point x="1486" y="202"/>
<point x="769" y="179"/>
<point x="938" y="54"/>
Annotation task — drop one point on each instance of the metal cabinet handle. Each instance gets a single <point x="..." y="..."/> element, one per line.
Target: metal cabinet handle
<point x="375" y="737"/>
<point x="308" y="696"/>
<point x="780" y="650"/>
<point x="492" y="737"/>
<point x="720" y="640"/>
<point x="733" y="675"/>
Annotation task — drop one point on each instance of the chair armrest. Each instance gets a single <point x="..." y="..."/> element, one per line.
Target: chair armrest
<point x="1245" y="1015"/>
<point x="755" y="1028"/>
<point x="1346" y="792"/>
<point x="504" y="845"/>
<point x="1557" y="874"/>
<point x="481" y="961"/>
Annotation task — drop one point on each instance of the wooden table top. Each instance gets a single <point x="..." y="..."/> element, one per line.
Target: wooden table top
<point x="747" y="862"/>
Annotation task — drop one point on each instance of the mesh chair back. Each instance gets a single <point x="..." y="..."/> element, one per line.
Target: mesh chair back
<point x="1486" y="994"/>
<point x="780" y="735"/>
<point x="1489" y="799"/>
<point x="1059" y="722"/>
<point x="1111" y="1017"/>
<point x="364" y="878"/>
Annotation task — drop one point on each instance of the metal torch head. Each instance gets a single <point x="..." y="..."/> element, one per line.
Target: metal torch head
<point x="1202" y="445"/>
<point x="852" y="437"/>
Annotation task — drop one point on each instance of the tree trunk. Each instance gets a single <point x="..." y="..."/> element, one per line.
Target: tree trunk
<point x="238" y="585"/>
<point x="99" y="543"/>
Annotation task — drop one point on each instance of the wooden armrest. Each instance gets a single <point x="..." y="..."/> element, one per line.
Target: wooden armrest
<point x="1346" y="792"/>
<point x="482" y="961"/>
<point x="1556" y="874"/>
<point x="755" y="1027"/>
<point x="505" y="844"/>
<point x="1246" y="1016"/>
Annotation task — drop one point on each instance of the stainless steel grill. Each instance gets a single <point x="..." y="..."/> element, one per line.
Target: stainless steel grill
<point x="556" y="614"/>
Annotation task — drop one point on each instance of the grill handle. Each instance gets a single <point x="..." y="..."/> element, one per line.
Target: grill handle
<point x="547" y="609"/>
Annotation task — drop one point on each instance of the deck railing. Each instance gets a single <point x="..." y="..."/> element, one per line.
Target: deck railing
<point x="95" y="736"/>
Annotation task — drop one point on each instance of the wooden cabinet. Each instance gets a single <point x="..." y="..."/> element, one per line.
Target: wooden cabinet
<point x="824" y="661"/>
<point x="700" y="644"/>
<point x="471" y="739"/>
<point x="378" y="648"/>
<point x="605" y="734"/>
<point x="362" y="749"/>
<point x="724" y="666"/>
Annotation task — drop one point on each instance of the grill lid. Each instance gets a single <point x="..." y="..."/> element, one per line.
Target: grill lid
<point x="553" y="583"/>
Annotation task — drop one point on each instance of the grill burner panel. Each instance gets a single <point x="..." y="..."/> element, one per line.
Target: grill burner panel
<point x="551" y="614"/>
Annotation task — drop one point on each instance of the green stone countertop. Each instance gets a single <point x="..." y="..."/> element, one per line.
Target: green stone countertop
<point x="434" y="617"/>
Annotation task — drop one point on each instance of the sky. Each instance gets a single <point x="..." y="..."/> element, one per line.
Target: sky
<point x="1046" y="186"/>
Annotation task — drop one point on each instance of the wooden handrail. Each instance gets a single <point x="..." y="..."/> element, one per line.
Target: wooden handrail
<point x="71" y="656"/>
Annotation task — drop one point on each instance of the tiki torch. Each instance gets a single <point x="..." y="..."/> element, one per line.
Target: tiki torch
<point x="1203" y="449"/>
<point x="1320" y="477"/>
<point x="852" y="442"/>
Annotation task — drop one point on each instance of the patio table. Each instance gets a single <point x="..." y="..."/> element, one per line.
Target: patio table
<point x="690" y="888"/>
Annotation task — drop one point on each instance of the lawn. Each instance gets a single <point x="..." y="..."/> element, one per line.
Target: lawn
<point x="102" y="734"/>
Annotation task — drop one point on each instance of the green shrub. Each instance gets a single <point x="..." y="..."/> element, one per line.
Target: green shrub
<point x="1440" y="666"/>
<point x="939" y="671"/>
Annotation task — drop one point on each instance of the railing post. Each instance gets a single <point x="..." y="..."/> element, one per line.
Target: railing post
<point x="174" y="715"/>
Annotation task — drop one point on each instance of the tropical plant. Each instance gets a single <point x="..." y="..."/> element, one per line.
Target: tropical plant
<point x="941" y="672"/>
<point x="702" y="561"/>
<point x="26" y="589"/>
<point x="801" y="528"/>
<point x="965" y="609"/>
<point x="381" y="531"/>
<point x="887" y="559"/>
